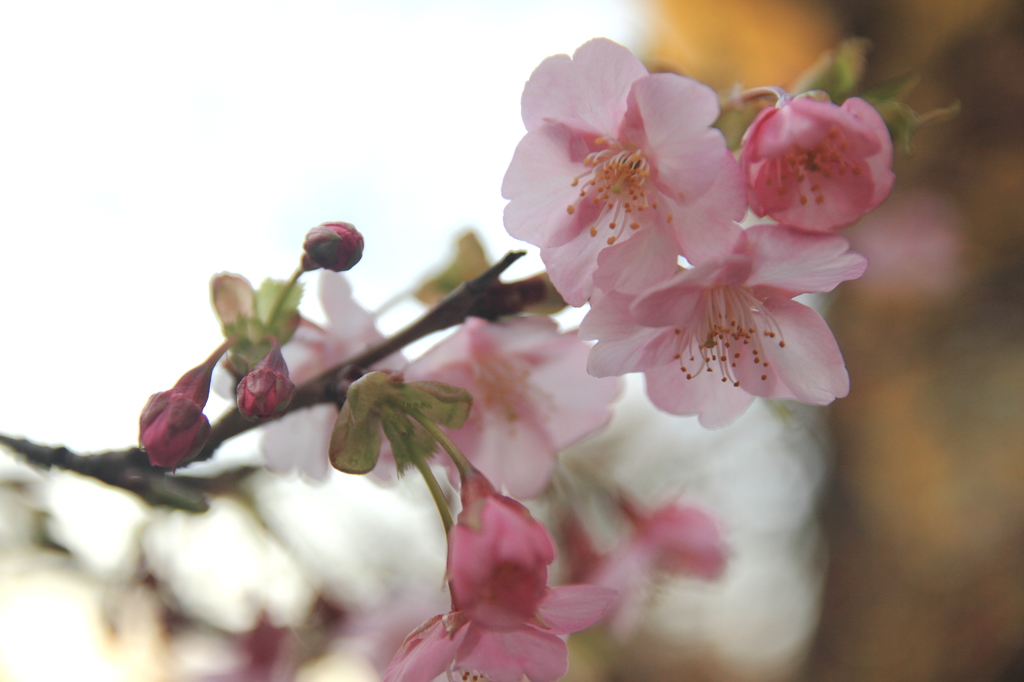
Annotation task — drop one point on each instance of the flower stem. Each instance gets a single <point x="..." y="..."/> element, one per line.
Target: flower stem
<point x="461" y="463"/>
<point x="436" y="493"/>
<point x="279" y="303"/>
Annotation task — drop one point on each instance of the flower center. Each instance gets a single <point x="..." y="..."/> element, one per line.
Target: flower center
<point x="503" y="385"/>
<point x="615" y="184"/>
<point x="735" y="329"/>
<point x="803" y="169"/>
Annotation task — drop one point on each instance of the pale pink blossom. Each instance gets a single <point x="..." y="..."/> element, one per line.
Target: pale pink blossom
<point x="714" y="336"/>
<point x="619" y="172"/>
<point x="532" y="396"/>
<point x="815" y="165"/>
<point x="675" y="540"/>
<point x="299" y="440"/>
<point x="505" y="622"/>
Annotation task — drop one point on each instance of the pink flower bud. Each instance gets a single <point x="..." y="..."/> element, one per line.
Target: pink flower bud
<point x="815" y="165"/>
<point x="172" y="426"/>
<point x="332" y="246"/>
<point x="498" y="559"/>
<point x="266" y="390"/>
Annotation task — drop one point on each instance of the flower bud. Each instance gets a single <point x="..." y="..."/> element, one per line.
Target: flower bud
<point x="172" y="426"/>
<point x="332" y="246"/>
<point x="266" y="390"/>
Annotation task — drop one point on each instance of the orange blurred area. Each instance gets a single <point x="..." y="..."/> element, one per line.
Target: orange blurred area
<point x="746" y="42"/>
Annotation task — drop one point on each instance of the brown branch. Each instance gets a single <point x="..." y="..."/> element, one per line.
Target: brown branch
<point x="130" y="469"/>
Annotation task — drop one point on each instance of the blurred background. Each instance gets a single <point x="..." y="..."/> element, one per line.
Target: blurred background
<point x="146" y="147"/>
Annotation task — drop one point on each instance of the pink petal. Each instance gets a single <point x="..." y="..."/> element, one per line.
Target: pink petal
<point x="686" y="541"/>
<point x="715" y="402"/>
<point x="679" y="302"/>
<point x="880" y="162"/>
<point x="705" y="228"/>
<point x="792" y="262"/>
<point x="684" y="150"/>
<point x="520" y="457"/>
<point x="810" y="364"/>
<point x="623" y="345"/>
<point x="426" y="653"/>
<point x="584" y="401"/>
<point x="571" y="266"/>
<point x="641" y="261"/>
<point x="587" y="92"/>
<point x="575" y="607"/>
<point x="539" y="184"/>
<point x="507" y="656"/>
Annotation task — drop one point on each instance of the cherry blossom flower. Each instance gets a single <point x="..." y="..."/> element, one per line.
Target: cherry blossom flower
<point x="816" y="165"/>
<point x="675" y="540"/>
<point x="714" y="336"/>
<point x="505" y="622"/>
<point x="619" y="172"/>
<point x="299" y="440"/>
<point x="532" y="396"/>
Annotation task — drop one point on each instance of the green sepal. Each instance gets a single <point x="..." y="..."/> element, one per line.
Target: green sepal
<point x="356" y="438"/>
<point x="409" y="440"/>
<point x="382" y="403"/>
<point x="839" y="71"/>
<point x="440" y="403"/>
<point x="287" y="319"/>
<point x="734" y="121"/>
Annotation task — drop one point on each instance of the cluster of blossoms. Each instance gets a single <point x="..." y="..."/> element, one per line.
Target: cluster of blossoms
<point x="621" y="176"/>
<point x="635" y="201"/>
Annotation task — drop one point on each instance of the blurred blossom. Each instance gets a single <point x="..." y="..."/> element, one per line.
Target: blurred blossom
<point x="914" y="247"/>
<point x="532" y="396"/>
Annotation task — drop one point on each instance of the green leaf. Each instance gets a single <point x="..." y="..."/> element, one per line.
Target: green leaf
<point x="287" y="318"/>
<point x="438" y="402"/>
<point x="469" y="261"/>
<point x="409" y="441"/>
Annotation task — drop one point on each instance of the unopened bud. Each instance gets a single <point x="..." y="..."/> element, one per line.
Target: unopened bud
<point x="172" y="426"/>
<point x="332" y="246"/>
<point x="266" y="390"/>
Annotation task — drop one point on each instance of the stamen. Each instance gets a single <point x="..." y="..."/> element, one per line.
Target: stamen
<point x="732" y="314"/>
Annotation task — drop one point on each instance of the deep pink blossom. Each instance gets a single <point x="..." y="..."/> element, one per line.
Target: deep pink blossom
<point x="816" y="165"/>
<point x="532" y="396"/>
<point x="619" y="172"/>
<point x="498" y="557"/>
<point x="714" y="336"/>
<point x="505" y="622"/>
<point x="299" y="440"/>
<point x="675" y="540"/>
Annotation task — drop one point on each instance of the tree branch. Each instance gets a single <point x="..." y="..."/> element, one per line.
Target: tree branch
<point x="130" y="469"/>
